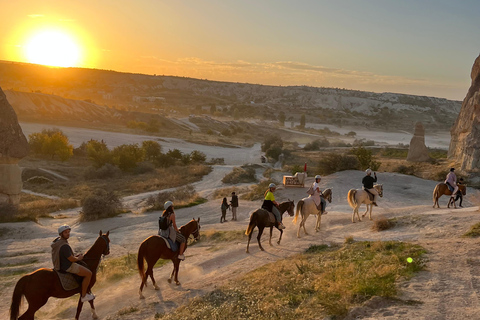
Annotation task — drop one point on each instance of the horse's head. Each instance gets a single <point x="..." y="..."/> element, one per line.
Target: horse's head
<point x="291" y="208"/>
<point x="105" y="240"/>
<point x="379" y="188"/>
<point x="327" y="194"/>
<point x="191" y="228"/>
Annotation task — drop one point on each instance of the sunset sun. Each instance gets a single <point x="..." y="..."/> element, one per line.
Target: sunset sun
<point x="52" y="48"/>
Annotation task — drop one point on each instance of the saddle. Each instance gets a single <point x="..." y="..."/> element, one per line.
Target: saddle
<point x="68" y="280"/>
<point x="371" y="196"/>
<point x="172" y="245"/>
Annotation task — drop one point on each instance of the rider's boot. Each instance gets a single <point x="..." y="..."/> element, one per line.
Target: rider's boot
<point x="181" y="257"/>
<point x="280" y="225"/>
<point x="375" y="204"/>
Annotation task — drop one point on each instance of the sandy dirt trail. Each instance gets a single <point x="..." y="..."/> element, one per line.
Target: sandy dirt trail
<point x="447" y="290"/>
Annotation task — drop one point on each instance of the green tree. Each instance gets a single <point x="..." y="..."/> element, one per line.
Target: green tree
<point x="98" y="152"/>
<point x="198" y="156"/>
<point x="365" y="158"/>
<point x="302" y="121"/>
<point x="151" y="149"/>
<point x="127" y="156"/>
<point x="51" y="142"/>
<point x="281" y="118"/>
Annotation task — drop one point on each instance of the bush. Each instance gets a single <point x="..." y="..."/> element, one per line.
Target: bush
<point x="258" y="191"/>
<point x="98" y="152"/>
<point x="181" y="197"/>
<point x="127" y="156"/>
<point x="382" y="224"/>
<point x="365" y="158"/>
<point x="144" y="167"/>
<point x="39" y="180"/>
<point x="272" y="146"/>
<point x="333" y="162"/>
<point x="316" y="145"/>
<point x="239" y="175"/>
<point x="51" y="142"/>
<point x="403" y="169"/>
<point x="151" y="149"/>
<point x="99" y="205"/>
<point x="198" y="156"/>
<point x="217" y="161"/>
<point x="108" y="171"/>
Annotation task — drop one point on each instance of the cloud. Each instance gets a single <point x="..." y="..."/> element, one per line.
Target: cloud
<point x="34" y="16"/>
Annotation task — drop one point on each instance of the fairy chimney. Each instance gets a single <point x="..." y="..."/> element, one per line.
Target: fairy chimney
<point x="465" y="142"/>
<point x="418" y="152"/>
<point x="13" y="147"/>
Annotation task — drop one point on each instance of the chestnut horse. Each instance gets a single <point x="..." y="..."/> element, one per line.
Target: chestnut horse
<point x="356" y="197"/>
<point x="154" y="248"/>
<point x="44" y="283"/>
<point x="306" y="207"/>
<point x="260" y="218"/>
<point x="442" y="189"/>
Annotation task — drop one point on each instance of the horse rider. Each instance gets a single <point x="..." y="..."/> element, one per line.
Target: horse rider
<point x="271" y="205"/>
<point x="64" y="261"/>
<point x="368" y="182"/>
<point x="451" y="182"/>
<point x="172" y="231"/>
<point x="317" y="195"/>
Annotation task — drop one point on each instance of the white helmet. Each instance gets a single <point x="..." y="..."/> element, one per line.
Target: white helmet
<point x="63" y="228"/>
<point x="167" y="204"/>
<point x="368" y="171"/>
<point x="318" y="177"/>
<point x="272" y="185"/>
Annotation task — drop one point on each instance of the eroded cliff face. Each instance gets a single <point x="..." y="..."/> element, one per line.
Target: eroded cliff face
<point x="465" y="143"/>
<point x="13" y="147"/>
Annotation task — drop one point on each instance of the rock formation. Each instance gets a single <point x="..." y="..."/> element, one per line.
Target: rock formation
<point x="418" y="152"/>
<point x="13" y="147"/>
<point x="465" y="143"/>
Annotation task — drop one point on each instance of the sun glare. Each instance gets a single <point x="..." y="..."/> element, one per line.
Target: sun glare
<point x="52" y="48"/>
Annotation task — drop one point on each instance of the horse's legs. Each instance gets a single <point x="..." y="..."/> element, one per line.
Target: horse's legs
<point x="304" y="221"/>
<point x="370" y="215"/>
<point x="260" y="231"/>
<point x="33" y="305"/>
<point x="281" y="233"/>
<point x="270" y="240"/>
<point x="92" y="308"/>
<point x="79" y="307"/>
<point x="149" y="272"/>
<point x="318" y="222"/>
<point x="176" y="266"/>
<point x="299" y="227"/>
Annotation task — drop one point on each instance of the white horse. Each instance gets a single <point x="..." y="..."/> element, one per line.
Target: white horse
<point x="307" y="207"/>
<point x="357" y="197"/>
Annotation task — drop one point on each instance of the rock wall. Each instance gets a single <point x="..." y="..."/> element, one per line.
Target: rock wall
<point x="465" y="143"/>
<point x="417" y="151"/>
<point x="13" y="147"/>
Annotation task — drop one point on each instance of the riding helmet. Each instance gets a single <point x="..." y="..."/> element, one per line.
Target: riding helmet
<point x="63" y="228"/>
<point x="272" y="185"/>
<point x="318" y="177"/>
<point x="167" y="204"/>
<point x="368" y="171"/>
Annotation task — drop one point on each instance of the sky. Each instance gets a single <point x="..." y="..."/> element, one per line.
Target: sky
<point x="422" y="47"/>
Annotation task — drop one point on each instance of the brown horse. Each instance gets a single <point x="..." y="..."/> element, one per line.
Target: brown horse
<point x="260" y="218"/>
<point x="442" y="189"/>
<point x="154" y="248"/>
<point x="44" y="283"/>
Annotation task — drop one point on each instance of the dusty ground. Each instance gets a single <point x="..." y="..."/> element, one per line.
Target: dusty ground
<point x="447" y="290"/>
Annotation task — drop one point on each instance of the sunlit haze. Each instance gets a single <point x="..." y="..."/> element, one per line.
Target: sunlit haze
<point x="415" y="47"/>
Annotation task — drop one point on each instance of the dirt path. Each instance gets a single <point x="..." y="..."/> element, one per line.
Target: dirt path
<point x="447" y="290"/>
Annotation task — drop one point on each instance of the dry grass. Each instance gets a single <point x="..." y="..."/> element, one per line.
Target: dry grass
<point x="223" y="236"/>
<point x="162" y="178"/>
<point x="322" y="282"/>
<point x="227" y="192"/>
<point x="474" y="231"/>
<point x="382" y="223"/>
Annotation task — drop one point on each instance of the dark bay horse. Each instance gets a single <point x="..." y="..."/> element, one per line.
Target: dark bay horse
<point x="154" y="248"/>
<point x="260" y="219"/>
<point x="442" y="189"/>
<point x="44" y="283"/>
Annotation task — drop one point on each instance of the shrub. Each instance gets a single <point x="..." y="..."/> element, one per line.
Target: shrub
<point x="239" y="175"/>
<point x="197" y="156"/>
<point x="151" y="149"/>
<point x="382" y="224"/>
<point x="51" y="142"/>
<point x="333" y="162"/>
<point x="403" y="169"/>
<point x="127" y="156"/>
<point x="365" y="158"/>
<point x="217" y="161"/>
<point x="257" y="192"/>
<point x="100" y="204"/>
<point x="316" y="144"/>
<point x="181" y="197"/>
<point x="144" y="167"/>
<point x="98" y="152"/>
<point x="39" y="180"/>
<point x="272" y="146"/>
<point x="107" y="171"/>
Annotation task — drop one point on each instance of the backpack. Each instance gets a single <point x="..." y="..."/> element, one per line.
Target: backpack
<point x="163" y="223"/>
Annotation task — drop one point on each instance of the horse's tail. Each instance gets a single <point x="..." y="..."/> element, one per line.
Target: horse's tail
<point x="351" y="197"/>
<point x="17" y="297"/>
<point x="252" y="223"/>
<point x="436" y="193"/>
<point x="140" y="258"/>
<point x="299" y="207"/>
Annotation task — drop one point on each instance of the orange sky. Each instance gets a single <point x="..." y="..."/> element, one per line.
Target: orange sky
<point x="405" y="47"/>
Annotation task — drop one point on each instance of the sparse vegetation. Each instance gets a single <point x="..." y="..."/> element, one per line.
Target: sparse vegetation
<point x="99" y="205"/>
<point x="474" y="231"/>
<point x="257" y="191"/>
<point x="182" y="197"/>
<point x="240" y="175"/>
<point x="324" y="282"/>
<point x="334" y="162"/>
<point x="382" y="224"/>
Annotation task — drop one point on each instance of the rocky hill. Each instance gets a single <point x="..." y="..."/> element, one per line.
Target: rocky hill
<point x="184" y="96"/>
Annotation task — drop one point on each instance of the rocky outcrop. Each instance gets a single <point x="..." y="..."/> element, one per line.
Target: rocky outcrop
<point x="465" y="143"/>
<point x="418" y="152"/>
<point x="13" y="147"/>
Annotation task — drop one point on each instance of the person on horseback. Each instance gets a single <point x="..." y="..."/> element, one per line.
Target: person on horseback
<point x="271" y="205"/>
<point x="317" y="195"/>
<point x="451" y="182"/>
<point x="172" y="231"/>
<point x="64" y="261"/>
<point x="368" y="182"/>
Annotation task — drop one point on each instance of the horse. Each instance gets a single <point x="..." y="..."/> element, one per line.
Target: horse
<point x="260" y="219"/>
<point x="306" y="207"/>
<point x="154" y="248"/>
<point x="357" y="197"/>
<point x="442" y="189"/>
<point x="44" y="283"/>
